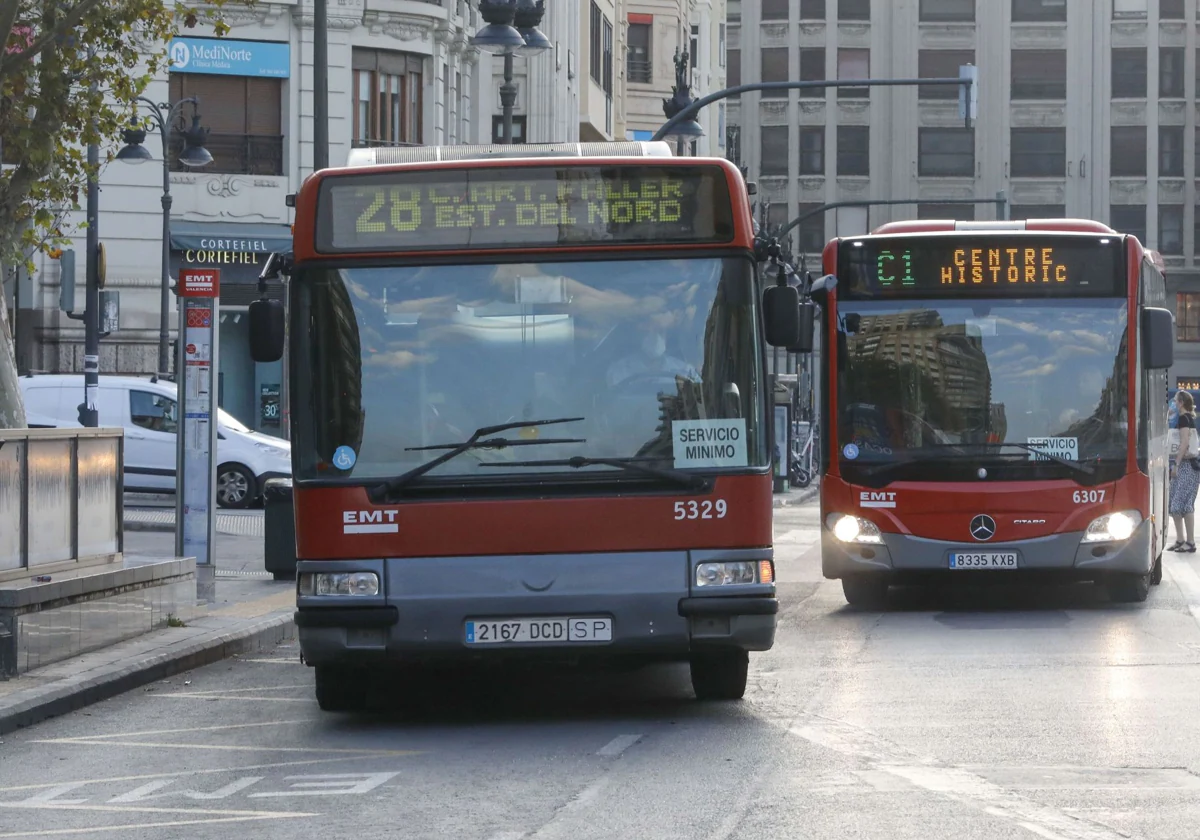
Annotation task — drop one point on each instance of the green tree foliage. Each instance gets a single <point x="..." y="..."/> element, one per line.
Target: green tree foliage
<point x="70" y="71"/>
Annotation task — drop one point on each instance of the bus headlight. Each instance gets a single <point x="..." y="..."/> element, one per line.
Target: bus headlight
<point x="853" y="529"/>
<point x="1113" y="527"/>
<point x="735" y="571"/>
<point x="338" y="583"/>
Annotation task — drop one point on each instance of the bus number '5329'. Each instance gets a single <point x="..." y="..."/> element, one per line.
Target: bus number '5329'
<point x="701" y="510"/>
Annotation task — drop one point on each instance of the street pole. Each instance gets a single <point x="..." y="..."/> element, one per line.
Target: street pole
<point x="320" y="85"/>
<point x="1001" y="205"/>
<point x="164" y="310"/>
<point x="88" y="415"/>
<point x="508" y="98"/>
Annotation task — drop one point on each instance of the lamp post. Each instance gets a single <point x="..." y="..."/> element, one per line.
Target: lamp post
<point x="194" y="154"/>
<point x="687" y="129"/>
<point x="512" y="29"/>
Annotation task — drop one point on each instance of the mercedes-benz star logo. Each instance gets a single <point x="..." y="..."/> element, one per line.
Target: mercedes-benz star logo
<point x="983" y="527"/>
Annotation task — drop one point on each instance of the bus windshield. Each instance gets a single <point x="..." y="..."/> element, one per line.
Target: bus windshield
<point x="942" y="385"/>
<point x="403" y="357"/>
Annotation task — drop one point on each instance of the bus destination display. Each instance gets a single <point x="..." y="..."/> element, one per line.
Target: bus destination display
<point x="1013" y="266"/>
<point x="523" y="207"/>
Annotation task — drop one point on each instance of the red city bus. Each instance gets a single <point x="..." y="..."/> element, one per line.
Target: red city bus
<point x="993" y="406"/>
<point x="528" y="412"/>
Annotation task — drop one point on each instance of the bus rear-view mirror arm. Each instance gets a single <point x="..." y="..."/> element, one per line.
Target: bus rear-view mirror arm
<point x="1158" y="338"/>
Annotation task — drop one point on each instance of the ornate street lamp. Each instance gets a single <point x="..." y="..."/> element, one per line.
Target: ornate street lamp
<point x="681" y="97"/>
<point x="512" y="29"/>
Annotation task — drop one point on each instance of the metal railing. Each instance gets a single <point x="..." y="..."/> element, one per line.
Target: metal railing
<point x="60" y="499"/>
<point x="639" y="70"/>
<point x="237" y="154"/>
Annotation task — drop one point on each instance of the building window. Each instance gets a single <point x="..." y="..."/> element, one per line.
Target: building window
<point x="387" y="98"/>
<point x="733" y="73"/>
<point x="1170" y="229"/>
<point x="639" y="66"/>
<point x="812" y="69"/>
<point x="1170" y="10"/>
<point x="941" y="64"/>
<point x="853" y="150"/>
<point x="1039" y="74"/>
<point x="1129" y="8"/>
<point x="1170" y="72"/>
<point x="957" y="212"/>
<point x="244" y="117"/>
<point x="1196" y="231"/>
<point x="812" y="9"/>
<point x="1038" y="10"/>
<point x="946" y="152"/>
<point x="1170" y="151"/>
<point x="812" y="151"/>
<point x="518" y="129"/>
<point x="1039" y="152"/>
<point x="810" y="233"/>
<point x="854" y="9"/>
<point x="774" y="153"/>
<point x="853" y="64"/>
<point x="596" y="45"/>
<point x="1037" y="211"/>
<point x="606" y="65"/>
<point x="938" y="11"/>
<point x="694" y="57"/>
<point x="775" y="69"/>
<point x="1128" y="218"/>
<point x="1128" y="154"/>
<point x="775" y="9"/>
<point x="722" y="40"/>
<point x="1187" y="316"/>
<point x="1129" y="73"/>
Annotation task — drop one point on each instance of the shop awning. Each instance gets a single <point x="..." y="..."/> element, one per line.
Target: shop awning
<point x="230" y="236"/>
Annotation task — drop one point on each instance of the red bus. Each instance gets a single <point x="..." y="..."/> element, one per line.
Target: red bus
<point x="993" y="406"/>
<point x="529" y="412"/>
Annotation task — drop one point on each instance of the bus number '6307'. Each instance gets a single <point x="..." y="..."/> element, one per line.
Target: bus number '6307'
<point x="701" y="510"/>
<point x="1083" y="497"/>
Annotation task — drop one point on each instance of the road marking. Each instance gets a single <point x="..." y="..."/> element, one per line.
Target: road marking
<point x="508" y="835"/>
<point x="213" y="817"/>
<point x="618" y="745"/>
<point x="331" y="784"/>
<point x="953" y="783"/>
<point x="203" y="695"/>
<point x="1187" y="580"/>
<point x="306" y="687"/>
<point x="274" y="661"/>
<point x="61" y="832"/>
<point x="227" y="747"/>
<point x="148" y="790"/>
<point x="176" y="774"/>
<point x="221" y="728"/>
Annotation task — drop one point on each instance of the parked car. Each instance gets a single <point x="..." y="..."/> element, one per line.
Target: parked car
<point x="146" y="409"/>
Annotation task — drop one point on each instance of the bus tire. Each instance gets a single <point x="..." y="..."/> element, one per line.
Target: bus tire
<point x="720" y="675"/>
<point x="1156" y="572"/>
<point x="866" y="591"/>
<point x="340" y="689"/>
<point x="1129" y="588"/>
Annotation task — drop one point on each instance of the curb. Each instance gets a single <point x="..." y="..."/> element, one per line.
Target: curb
<point x="800" y="497"/>
<point x="142" y="525"/>
<point x="72" y="694"/>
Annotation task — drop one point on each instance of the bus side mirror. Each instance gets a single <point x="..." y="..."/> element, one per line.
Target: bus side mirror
<point x="781" y="315"/>
<point x="1158" y="338"/>
<point x="808" y="325"/>
<point x="266" y="330"/>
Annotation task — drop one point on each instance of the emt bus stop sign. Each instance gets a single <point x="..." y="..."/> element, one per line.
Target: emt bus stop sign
<point x="195" y="478"/>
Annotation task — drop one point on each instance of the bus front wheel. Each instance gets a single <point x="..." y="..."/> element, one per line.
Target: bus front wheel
<point x="1129" y="589"/>
<point x="720" y="675"/>
<point x="866" y="591"/>
<point x="340" y="689"/>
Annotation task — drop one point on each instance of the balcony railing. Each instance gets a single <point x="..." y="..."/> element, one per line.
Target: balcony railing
<point x="640" y="70"/>
<point x="368" y="143"/>
<point x="236" y="154"/>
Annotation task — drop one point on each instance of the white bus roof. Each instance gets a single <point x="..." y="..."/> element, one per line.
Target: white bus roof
<point x="427" y="154"/>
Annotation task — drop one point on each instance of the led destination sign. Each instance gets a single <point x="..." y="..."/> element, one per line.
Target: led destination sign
<point x="524" y="207"/>
<point x="1011" y="266"/>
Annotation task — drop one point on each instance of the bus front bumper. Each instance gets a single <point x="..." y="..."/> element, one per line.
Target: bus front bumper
<point x="640" y="606"/>
<point x="1060" y="555"/>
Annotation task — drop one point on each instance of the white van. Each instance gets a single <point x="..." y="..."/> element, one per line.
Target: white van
<point x="146" y="410"/>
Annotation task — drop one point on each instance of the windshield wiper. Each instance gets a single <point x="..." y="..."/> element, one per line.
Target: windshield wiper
<point x="888" y="466"/>
<point x="479" y="439"/>
<point x="690" y="481"/>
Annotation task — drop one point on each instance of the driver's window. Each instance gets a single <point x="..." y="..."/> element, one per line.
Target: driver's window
<point x="152" y="411"/>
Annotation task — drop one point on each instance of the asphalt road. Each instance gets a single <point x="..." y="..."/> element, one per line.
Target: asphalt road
<point x="964" y="715"/>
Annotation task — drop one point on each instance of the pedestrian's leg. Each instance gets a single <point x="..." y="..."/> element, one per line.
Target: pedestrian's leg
<point x="1189" y="522"/>
<point x="1178" y="520"/>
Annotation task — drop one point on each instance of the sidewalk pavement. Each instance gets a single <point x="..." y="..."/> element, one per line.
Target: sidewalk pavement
<point x="251" y="612"/>
<point x="796" y="496"/>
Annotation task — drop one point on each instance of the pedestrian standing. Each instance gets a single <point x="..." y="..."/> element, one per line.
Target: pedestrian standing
<point x="1187" y="476"/>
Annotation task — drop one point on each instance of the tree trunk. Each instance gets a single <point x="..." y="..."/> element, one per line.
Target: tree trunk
<point x="12" y="407"/>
